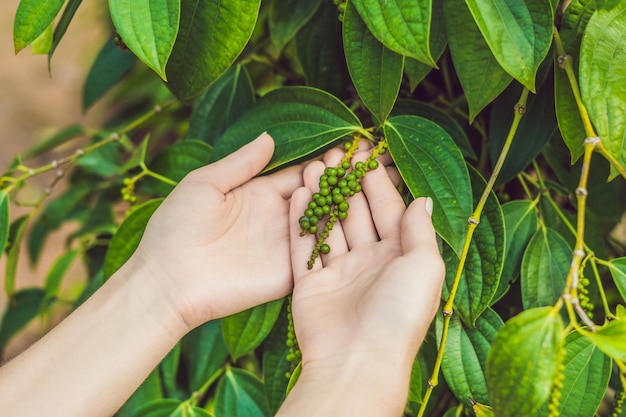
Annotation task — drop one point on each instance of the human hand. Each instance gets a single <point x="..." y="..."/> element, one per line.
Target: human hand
<point x="376" y="292"/>
<point x="219" y="243"/>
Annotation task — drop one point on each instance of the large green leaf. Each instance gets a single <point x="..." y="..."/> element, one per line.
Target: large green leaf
<point x="287" y="17"/>
<point x="128" y="236"/>
<point x="415" y="70"/>
<point x="109" y="67"/>
<point x="465" y="355"/>
<point x="544" y="268"/>
<point x="586" y="376"/>
<point x="240" y="394"/>
<point x="300" y="119"/>
<point x="401" y="25"/>
<point x="483" y="266"/>
<point x="603" y="90"/>
<point x="148" y="28"/>
<point x="520" y="224"/>
<point x="148" y="392"/>
<point x="211" y="36"/>
<point x="32" y="19"/>
<point x="480" y="74"/>
<point x="244" y="331"/>
<point x="618" y="272"/>
<point x="169" y="372"/>
<point x="221" y="104"/>
<point x="443" y="119"/>
<point x="573" y="23"/>
<point x="376" y="71"/>
<point x="58" y="271"/>
<point x="320" y="52"/>
<point x="522" y="362"/>
<point x="276" y="367"/>
<point x="518" y="33"/>
<point x="4" y="221"/>
<point x="611" y="339"/>
<point x="24" y="306"/>
<point x="203" y="353"/>
<point x="432" y="165"/>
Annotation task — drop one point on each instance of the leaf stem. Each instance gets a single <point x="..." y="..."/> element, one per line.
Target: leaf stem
<point x="473" y="222"/>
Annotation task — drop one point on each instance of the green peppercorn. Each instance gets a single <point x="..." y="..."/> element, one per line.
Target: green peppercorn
<point x="308" y="212"/>
<point x="372" y="164"/>
<point x="344" y="206"/>
<point x="342" y="215"/>
<point x="325" y="249"/>
<point x="338" y="198"/>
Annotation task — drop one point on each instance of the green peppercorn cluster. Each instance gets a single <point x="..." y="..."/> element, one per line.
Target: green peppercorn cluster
<point x="557" y="386"/>
<point x="128" y="192"/>
<point x="336" y="185"/>
<point x="619" y="402"/>
<point x="341" y="8"/>
<point x="294" y="355"/>
<point x="583" y="297"/>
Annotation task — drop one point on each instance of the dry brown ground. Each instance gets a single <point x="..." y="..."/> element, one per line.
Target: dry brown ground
<point x="34" y="103"/>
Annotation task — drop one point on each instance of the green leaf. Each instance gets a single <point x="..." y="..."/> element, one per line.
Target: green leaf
<point x="275" y="364"/>
<point x="375" y="70"/>
<point x="287" y="17"/>
<point x="169" y="371"/>
<point x="482" y="410"/>
<point x="16" y="234"/>
<point x="485" y="257"/>
<point x="211" y="36"/>
<point x="573" y="23"/>
<point x="465" y="355"/>
<point x="187" y="410"/>
<point x="109" y="67"/>
<point x="617" y="267"/>
<point x="240" y="394"/>
<point x="4" y="221"/>
<point x="535" y="128"/>
<point x="125" y="241"/>
<point x="294" y="377"/>
<point x="432" y="165"/>
<point x="586" y="376"/>
<point x="103" y="162"/>
<point x="301" y="120"/>
<point x="61" y="28"/>
<point x="244" y="331"/>
<point x="522" y="362"/>
<point x="43" y="43"/>
<point x="32" y="18"/>
<point x="544" y="268"/>
<point x="162" y="407"/>
<point x="203" y="353"/>
<point x="603" y="90"/>
<point x="178" y="160"/>
<point x="221" y="105"/>
<point x="138" y="156"/>
<point x="479" y="73"/>
<point x="520" y="224"/>
<point x="415" y="70"/>
<point x="149" y="392"/>
<point x="611" y="339"/>
<point x="58" y="271"/>
<point x="443" y="119"/>
<point x="320" y="52"/>
<point x="23" y="307"/>
<point x="518" y="33"/>
<point x="415" y="386"/>
<point x="401" y="25"/>
<point x="58" y="138"/>
<point x="148" y="28"/>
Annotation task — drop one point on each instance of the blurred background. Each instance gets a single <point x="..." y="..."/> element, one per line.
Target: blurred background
<point x="33" y="104"/>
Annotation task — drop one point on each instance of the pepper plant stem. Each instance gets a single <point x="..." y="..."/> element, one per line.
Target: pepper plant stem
<point x="473" y="222"/>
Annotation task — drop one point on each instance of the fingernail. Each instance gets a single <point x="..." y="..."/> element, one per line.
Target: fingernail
<point x="428" y="206"/>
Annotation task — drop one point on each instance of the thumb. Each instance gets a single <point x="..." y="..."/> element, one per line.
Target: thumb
<point x="242" y="165"/>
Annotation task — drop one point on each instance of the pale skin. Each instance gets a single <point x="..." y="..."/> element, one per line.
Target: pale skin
<point x="222" y="243"/>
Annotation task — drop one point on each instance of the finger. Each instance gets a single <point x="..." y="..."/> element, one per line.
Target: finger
<point x="418" y="232"/>
<point x="240" y="166"/>
<point x="394" y="175"/>
<point x="301" y="246"/>
<point x="385" y="203"/>
<point x="287" y="180"/>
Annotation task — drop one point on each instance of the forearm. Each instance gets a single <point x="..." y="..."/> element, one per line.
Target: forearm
<point x="95" y="359"/>
<point x="374" y="386"/>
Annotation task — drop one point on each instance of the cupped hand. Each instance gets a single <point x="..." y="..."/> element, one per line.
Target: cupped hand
<point x="378" y="288"/>
<point x="219" y="243"/>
